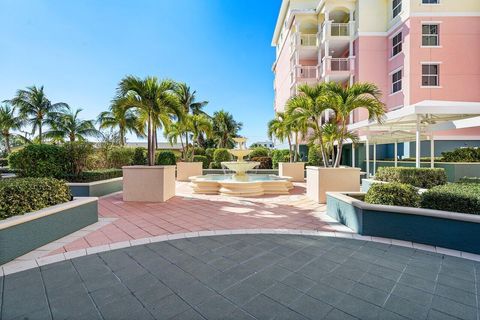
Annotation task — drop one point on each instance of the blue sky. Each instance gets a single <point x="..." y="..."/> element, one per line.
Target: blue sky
<point x="79" y="50"/>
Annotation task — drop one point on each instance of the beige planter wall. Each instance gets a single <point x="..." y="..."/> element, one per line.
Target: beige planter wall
<point x="321" y="180"/>
<point x="148" y="183"/>
<point x="188" y="169"/>
<point x="296" y="170"/>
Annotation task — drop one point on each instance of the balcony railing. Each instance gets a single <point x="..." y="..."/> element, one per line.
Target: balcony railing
<point x="306" y="72"/>
<point x="334" y="29"/>
<point x="339" y="64"/>
<point x="309" y="40"/>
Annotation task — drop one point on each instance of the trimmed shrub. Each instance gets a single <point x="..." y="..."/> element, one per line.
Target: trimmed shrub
<point x="120" y="156"/>
<point x="417" y="177"/>
<point x="314" y="156"/>
<point x="203" y="160"/>
<point x="282" y="155"/>
<point x="393" y="194"/>
<point x="96" y="161"/>
<point x="95" y="175"/>
<point x="214" y="165"/>
<point x="166" y="158"/>
<point x="457" y="197"/>
<point x="265" y="162"/>
<point x="198" y="152"/>
<point x="220" y="155"/>
<point x="3" y="162"/>
<point x="258" y="152"/>
<point x="23" y="195"/>
<point x="77" y="154"/>
<point x="139" y="156"/>
<point x="209" y="153"/>
<point x="39" y="160"/>
<point x="469" y="180"/>
<point x="462" y="155"/>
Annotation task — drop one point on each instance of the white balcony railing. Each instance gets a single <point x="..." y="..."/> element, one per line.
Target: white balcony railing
<point x="334" y="29"/>
<point x="339" y="64"/>
<point x="306" y="72"/>
<point x="309" y="40"/>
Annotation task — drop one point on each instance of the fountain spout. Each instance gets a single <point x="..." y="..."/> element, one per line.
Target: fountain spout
<point x="240" y="166"/>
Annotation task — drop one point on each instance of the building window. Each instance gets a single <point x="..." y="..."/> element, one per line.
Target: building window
<point x="397" y="81"/>
<point x="430" y="35"/>
<point x="396" y="7"/>
<point x="430" y="74"/>
<point x="430" y="1"/>
<point x="397" y="44"/>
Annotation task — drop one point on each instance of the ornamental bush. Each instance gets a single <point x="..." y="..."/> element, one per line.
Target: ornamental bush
<point x="23" y="195"/>
<point x="417" y="177"/>
<point x="265" y="162"/>
<point x="120" y="156"/>
<point x="166" y="158"/>
<point x="469" y="180"/>
<point x="39" y="160"/>
<point x="314" y="156"/>
<point x="139" y="156"/>
<point x="220" y="155"/>
<point x="95" y="175"/>
<point x="3" y="162"/>
<point x="209" y="153"/>
<point x="198" y="152"/>
<point x="77" y="154"/>
<point x="462" y="155"/>
<point x="457" y="197"/>
<point x="393" y="194"/>
<point x="203" y="160"/>
<point x="282" y="155"/>
<point x="259" y="152"/>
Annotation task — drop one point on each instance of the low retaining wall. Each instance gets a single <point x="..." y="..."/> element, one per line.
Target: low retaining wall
<point x="454" y="170"/>
<point x="451" y="230"/>
<point x="258" y="171"/>
<point x="22" y="234"/>
<point x="97" y="188"/>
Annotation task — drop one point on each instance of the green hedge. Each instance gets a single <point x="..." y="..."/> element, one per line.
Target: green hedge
<point x="39" y="160"/>
<point x="220" y="155"/>
<point x="457" y="197"/>
<point x="417" y="177"/>
<point x="3" y="162"/>
<point x="314" y="156"/>
<point x="282" y="155"/>
<point x="265" y="162"/>
<point x="469" y="180"/>
<point x="462" y="155"/>
<point x="120" y="156"/>
<point x="203" y="160"/>
<point x="393" y="194"/>
<point x="95" y="175"/>
<point x="23" y="195"/>
<point x="166" y="158"/>
<point x="140" y="156"/>
<point x="258" y="152"/>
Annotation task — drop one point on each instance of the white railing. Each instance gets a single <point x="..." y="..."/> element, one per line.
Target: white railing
<point x="308" y="40"/>
<point x="339" y="64"/>
<point x="306" y="72"/>
<point x="340" y="29"/>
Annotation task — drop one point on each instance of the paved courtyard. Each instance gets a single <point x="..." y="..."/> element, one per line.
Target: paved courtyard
<point x="248" y="277"/>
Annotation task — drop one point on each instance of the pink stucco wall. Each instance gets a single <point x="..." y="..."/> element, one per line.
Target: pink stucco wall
<point x="282" y="78"/>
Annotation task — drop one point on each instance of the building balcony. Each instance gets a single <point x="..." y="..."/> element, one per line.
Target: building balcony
<point x="338" y="31"/>
<point x="303" y="40"/>
<point x="337" y="68"/>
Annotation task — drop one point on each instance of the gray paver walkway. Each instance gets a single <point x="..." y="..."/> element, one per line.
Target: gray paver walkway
<point x="248" y="277"/>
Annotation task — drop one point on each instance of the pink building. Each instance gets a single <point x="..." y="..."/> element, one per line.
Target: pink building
<point x="423" y="54"/>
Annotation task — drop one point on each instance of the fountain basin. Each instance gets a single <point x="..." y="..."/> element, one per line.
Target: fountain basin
<point x="240" y="167"/>
<point x="241" y="186"/>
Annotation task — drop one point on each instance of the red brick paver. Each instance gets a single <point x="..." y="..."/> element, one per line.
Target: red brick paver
<point x="188" y="212"/>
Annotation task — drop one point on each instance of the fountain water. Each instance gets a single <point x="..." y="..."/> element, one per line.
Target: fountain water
<point x="240" y="184"/>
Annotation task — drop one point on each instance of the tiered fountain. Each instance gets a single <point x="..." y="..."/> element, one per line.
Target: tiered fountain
<point x="240" y="183"/>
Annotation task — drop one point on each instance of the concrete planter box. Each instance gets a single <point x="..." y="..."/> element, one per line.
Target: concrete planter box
<point x="296" y="170"/>
<point x="451" y="230"/>
<point x="22" y="234"/>
<point x="148" y="183"/>
<point x="321" y="180"/>
<point x="96" y="188"/>
<point x="188" y="169"/>
<point x="367" y="183"/>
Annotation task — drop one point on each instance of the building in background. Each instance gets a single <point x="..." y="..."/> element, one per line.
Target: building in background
<point x="423" y="54"/>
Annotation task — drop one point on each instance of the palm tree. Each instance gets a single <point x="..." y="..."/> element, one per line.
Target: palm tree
<point x="155" y="101"/>
<point x="225" y="128"/>
<point x="69" y="126"/>
<point x="344" y="100"/>
<point x="126" y="120"/>
<point x="199" y="124"/>
<point x="281" y="128"/>
<point x="174" y="132"/>
<point x="9" y="121"/>
<point x="307" y="108"/>
<point x="36" y="108"/>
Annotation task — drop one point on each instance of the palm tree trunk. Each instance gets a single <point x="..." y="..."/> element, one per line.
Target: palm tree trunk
<point x="40" y="132"/>
<point x="122" y="136"/>
<point x="7" y="143"/>
<point x="322" y="149"/>
<point x="290" y="148"/>
<point x="149" y="140"/>
<point x="340" y="146"/>
<point x="297" y="148"/>
<point x="156" y="139"/>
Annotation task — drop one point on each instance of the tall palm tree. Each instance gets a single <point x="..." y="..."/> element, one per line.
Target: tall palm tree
<point x="281" y="128"/>
<point x="127" y="121"/>
<point x="225" y="128"/>
<point x="36" y="108"/>
<point x="173" y="133"/>
<point x="9" y="121"/>
<point x="307" y="108"/>
<point x="68" y="126"/>
<point x="155" y="101"/>
<point x="199" y="124"/>
<point x="344" y="100"/>
<point x="188" y="101"/>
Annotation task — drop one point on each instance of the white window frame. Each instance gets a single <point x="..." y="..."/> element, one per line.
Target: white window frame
<point x="399" y="44"/>
<point x="400" y="80"/>
<point x="437" y="76"/>
<point x="430" y="34"/>
<point x="398" y="8"/>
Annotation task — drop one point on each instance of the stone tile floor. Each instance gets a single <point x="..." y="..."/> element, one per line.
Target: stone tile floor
<point x="248" y="277"/>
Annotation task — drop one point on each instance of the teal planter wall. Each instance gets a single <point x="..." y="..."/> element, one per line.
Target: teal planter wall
<point x="436" y="231"/>
<point x="24" y="237"/>
<point x="96" y="189"/>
